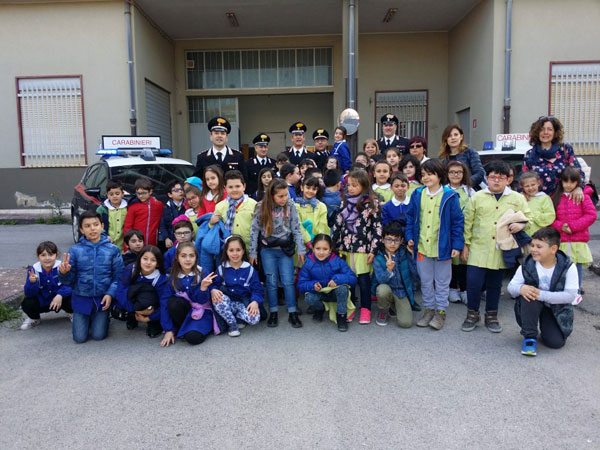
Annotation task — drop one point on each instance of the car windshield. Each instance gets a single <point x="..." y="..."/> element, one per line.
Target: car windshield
<point x="160" y="175"/>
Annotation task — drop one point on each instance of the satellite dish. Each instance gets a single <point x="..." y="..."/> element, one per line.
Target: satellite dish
<point x="350" y="120"/>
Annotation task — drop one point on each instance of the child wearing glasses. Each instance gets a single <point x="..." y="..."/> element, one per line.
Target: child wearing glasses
<point x="144" y="212"/>
<point x="484" y="259"/>
<point x="434" y="230"/>
<point x="174" y="207"/>
<point x="183" y="231"/>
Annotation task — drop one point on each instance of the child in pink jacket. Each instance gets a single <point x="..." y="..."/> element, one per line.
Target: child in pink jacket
<point x="573" y="220"/>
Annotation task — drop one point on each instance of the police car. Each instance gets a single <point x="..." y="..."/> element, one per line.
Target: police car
<point x="126" y="166"/>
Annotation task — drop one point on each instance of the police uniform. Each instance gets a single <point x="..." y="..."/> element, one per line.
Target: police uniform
<point x="228" y="158"/>
<point x="321" y="157"/>
<point x="256" y="164"/>
<point x="401" y="143"/>
<point x="297" y="156"/>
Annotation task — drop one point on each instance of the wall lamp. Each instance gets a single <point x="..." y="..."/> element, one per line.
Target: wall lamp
<point x="389" y="14"/>
<point x="232" y="19"/>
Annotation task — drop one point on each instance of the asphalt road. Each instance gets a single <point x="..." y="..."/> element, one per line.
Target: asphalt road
<point x="373" y="387"/>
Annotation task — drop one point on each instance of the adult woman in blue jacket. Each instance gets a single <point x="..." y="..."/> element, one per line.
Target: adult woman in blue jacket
<point x="324" y="277"/>
<point x="454" y="148"/>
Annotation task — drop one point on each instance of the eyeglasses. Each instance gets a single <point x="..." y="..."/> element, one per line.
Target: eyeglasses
<point x="392" y="240"/>
<point x="546" y="117"/>
<point x="142" y="192"/>
<point x="416" y="146"/>
<point x="455" y="172"/>
<point x="497" y="177"/>
<point x="177" y="190"/>
<point x="182" y="233"/>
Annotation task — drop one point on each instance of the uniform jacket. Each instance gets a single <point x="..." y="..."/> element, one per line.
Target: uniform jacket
<point x="253" y="167"/>
<point x="401" y="143"/>
<point x="159" y="281"/>
<point x="240" y="285"/>
<point x="578" y="217"/>
<point x="481" y="217"/>
<point x="170" y="212"/>
<point x="145" y="217"/>
<point x="191" y="286"/>
<point x="342" y="152"/>
<point x="291" y="154"/>
<point x="368" y="231"/>
<point x="315" y="271"/>
<point x="390" y="211"/>
<point x="450" y="234"/>
<point x="47" y="286"/>
<point x="313" y="221"/>
<point x="111" y="214"/>
<point x="234" y="160"/>
<point x="95" y="271"/>
<point x="542" y="213"/>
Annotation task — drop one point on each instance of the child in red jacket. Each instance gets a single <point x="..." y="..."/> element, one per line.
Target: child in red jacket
<point x="144" y="212"/>
<point x="573" y="220"/>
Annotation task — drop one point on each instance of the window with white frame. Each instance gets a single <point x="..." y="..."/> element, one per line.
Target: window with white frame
<point x="575" y="101"/>
<point x="251" y="69"/>
<point x="51" y="120"/>
<point x="410" y="107"/>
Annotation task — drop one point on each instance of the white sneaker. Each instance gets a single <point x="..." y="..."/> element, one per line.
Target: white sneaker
<point x="29" y="323"/>
<point x="234" y="333"/>
<point x="454" y="296"/>
<point x="463" y="296"/>
<point x="241" y="325"/>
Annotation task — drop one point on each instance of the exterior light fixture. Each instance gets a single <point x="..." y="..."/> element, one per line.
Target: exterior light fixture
<point x="232" y="19"/>
<point x="389" y="14"/>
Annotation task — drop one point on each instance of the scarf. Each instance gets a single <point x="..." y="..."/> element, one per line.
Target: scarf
<point x="304" y="202"/>
<point x="350" y="211"/>
<point x="233" y="204"/>
<point x="546" y="154"/>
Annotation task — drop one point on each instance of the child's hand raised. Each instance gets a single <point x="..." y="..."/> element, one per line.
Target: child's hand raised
<point x="207" y="281"/>
<point x="389" y="262"/>
<point x="32" y="276"/>
<point x="65" y="267"/>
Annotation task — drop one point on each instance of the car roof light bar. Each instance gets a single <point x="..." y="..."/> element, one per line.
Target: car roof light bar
<point x="142" y="152"/>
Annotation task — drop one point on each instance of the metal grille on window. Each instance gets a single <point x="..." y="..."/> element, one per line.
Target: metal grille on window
<point x="410" y="107"/>
<point x="575" y="101"/>
<point x="51" y="111"/>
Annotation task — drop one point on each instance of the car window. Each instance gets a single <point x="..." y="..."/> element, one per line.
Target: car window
<point x="160" y="175"/>
<point x="90" y="177"/>
<point x="101" y="178"/>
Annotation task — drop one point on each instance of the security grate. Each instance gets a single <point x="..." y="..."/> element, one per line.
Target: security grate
<point x="409" y="106"/>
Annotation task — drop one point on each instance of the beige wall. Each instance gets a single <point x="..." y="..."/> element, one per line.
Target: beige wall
<point x="275" y="114"/>
<point x="472" y="74"/>
<point x="154" y="59"/>
<point x="403" y="61"/>
<point x="65" y="39"/>
<point x="181" y="93"/>
<point x="571" y="32"/>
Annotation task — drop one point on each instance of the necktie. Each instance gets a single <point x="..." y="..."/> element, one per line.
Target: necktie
<point x="387" y="142"/>
<point x="219" y="157"/>
<point x="263" y="162"/>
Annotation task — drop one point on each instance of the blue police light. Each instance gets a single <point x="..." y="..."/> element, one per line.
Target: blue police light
<point x="107" y="152"/>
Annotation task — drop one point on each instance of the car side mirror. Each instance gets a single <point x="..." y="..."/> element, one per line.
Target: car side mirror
<point x="93" y="192"/>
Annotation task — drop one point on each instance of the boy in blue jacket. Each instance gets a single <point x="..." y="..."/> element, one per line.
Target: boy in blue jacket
<point x="92" y="268"/>
<point x="174" y="208"/>
<point x="391" y="269"/>
<point x="325" y="271"/>
<point x="43" y="290"/>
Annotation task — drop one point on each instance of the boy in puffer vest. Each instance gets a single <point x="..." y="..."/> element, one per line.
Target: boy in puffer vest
<point x="545" y="286"/>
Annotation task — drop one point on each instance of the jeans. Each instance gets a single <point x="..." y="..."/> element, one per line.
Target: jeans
<point x="94" y="325"/>
<point x="476" y="277"/>
<point x="31" y="307"/>
<point x="338" y="295"/>
<point x="534" y="312"/>
<point x="364" y="285"/>
<point x="435" y="281"/>
<point x="278" y="265"/>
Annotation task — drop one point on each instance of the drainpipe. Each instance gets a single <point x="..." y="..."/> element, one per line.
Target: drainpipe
<point x="507" y="54"/>
<point x="132" y="110"/>
<point x="351" y="60"/>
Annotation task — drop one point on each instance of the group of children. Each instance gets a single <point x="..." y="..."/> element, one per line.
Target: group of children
<point x="385" y="227"/>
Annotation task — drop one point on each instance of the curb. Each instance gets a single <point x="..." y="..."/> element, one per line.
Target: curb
<point x="14" y="301"/>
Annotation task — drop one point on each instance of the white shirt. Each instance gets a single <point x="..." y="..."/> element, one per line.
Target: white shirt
<point x="435" y="193"/>
<point x="545" y="276"/>
<point x="222" y="152"/>
<point x="397" y="202"/>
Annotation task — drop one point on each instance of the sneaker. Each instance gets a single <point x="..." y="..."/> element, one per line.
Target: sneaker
<point x="273" y="320"/>
<point x="70" y="316"/>
<point x="454" y="296"/>
<point x="29" y="323"/>
<point x="233" y="332"/>
<point x="241" y="324"/>
<point x="491" y="321"/>
<point x="294" y="320"/>
<point x="529" y="347"/>
<point x="373" y="298"/>
<point x="318" y="315"/>
<point x="437" y="323"/>
<point x="427" y="316"/>
<point x="342" y="322"/>
<point x="365" y="316"/>
<point x="463" y="296"/>
<point x="471" y="321"/>
<point x="350" y="318"/>
<point x="415" y="306"/>
<point x="577" y="300"/>
<point x="153" y="329"/>
<point x="382" y="318"/>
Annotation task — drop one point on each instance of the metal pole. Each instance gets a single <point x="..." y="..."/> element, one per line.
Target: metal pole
<point x="351" y="61"/>
<point x="507" y="54"/>
<point x="132" y="110"/>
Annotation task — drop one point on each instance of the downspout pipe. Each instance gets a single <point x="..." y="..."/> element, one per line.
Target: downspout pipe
<point x="507" y="55"/>
<point x="351" y="57"/>
<point x="132" y="110"/>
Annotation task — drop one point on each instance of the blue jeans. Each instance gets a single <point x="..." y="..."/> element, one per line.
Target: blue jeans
<point x="277" y="265"/>
<point x="338" y="295"/>
<point x="94" y="325"/>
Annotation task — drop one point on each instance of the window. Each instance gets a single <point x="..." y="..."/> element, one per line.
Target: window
<point x="410" y="107"/>
<point x="249" y="69"/>
<point x="575" y="101"/>
<point x="51" y="122"/>
<point x="202" y="109"/>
